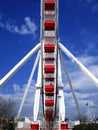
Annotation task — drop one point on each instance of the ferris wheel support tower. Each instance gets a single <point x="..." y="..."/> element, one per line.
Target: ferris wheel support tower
<point x="51" y="86"/>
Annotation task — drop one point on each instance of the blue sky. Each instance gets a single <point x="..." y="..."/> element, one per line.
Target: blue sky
<point x="20" y="32"/>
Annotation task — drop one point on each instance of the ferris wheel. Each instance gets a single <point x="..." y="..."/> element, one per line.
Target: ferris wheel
<point x="49" y="84"/>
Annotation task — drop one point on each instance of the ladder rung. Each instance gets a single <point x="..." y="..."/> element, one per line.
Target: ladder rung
<point x="49" y="78"/>
<point x="49" y="37"/>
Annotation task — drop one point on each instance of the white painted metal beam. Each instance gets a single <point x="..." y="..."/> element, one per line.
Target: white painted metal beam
<point x="37" y="92"/>
<point x="60" y="83"/>
<point x="28" y="84"/>
<point x="39" y="75"/>
<point x="36" y="103"/>
<point x="81" y="66"/>
<point x="70" y="84"/>
<point x="61" y="93"/>
<point x="18" y="65"/>
<point x="61" y="105"/>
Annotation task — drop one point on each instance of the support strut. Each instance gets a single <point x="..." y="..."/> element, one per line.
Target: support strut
<point x="28" y="84"/>
<point x="18" y="65"/>
<point x="70" y="84"/>
<point x="80" y="65"/>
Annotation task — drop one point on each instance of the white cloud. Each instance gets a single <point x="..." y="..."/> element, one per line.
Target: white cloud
<point x="79" y="79"/>
<point x="28" y="28"/>
<point x="19" y="92"/>
<point x="17" y="95"/>
<point x="93" y="4"/>
<point x="90" y="38"/>
<point x="86" y="95"/>
<point x="2" y="25"/>
<point x="95" y="7"/>
<point x="82" y="97"/>
<point x="89" y="1"/>
<point x="85" y="89"/>
<point x="16" y="87"/>
<point x="88" y="60"/>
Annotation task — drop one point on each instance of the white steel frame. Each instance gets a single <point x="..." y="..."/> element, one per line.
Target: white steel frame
<point x="18" y="65"/>
<point x="80" y="65"/>
<point x="70" y="84"/>
<point x="58" y="75"/>
<point x="38" y="88"/>
<point x="28" y="84"/>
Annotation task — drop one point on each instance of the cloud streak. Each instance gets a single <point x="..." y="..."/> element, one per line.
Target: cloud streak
<point x="28" y="28"/>
<point x="85" y="89"/>
<point x="93" y="4"/>
<point x="17" y="95"/>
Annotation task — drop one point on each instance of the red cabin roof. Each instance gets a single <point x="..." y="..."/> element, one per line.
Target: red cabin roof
<point x="49" y="102"/>
<point x="35" y="126"/>
<point x="49" y="5"/>
<point x="49" y="48"/>
<point x="49" y="88"/>
<point x="49" y="68"/>
<point x="64" y="126"/>
<point x="49" y="25"/>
